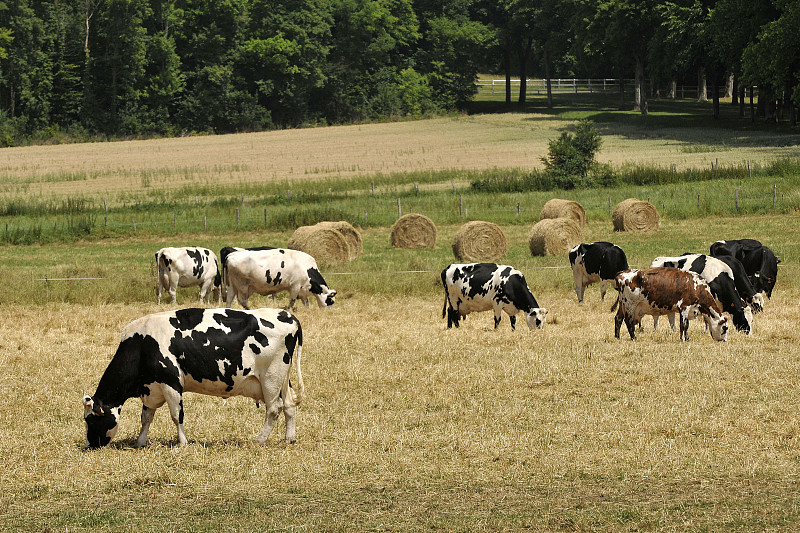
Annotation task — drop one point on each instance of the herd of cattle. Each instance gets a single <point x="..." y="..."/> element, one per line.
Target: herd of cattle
<point x="228" y="352"/>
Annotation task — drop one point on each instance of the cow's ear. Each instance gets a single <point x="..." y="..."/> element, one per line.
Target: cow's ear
<point x="88" y="405"/>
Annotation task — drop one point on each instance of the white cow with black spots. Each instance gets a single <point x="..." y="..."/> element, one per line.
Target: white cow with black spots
<point x="187" y="267"/>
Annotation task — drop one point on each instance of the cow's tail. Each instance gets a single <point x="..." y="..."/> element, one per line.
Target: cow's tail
<point x="299" y="391"/>
<point x="616" y="302"/>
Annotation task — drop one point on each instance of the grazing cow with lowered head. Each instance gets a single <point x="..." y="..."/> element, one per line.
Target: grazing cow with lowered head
<point x="187" y="267"/>
<point x="596" y="261"/>
<point x="486" y="286"/>
<point x="662" y="291"/>
<point x="268" y="272"/>
<point x="744" y="287"/>
<point x="719" y="277"/>
<point x="759" y="261"/>
<point x="220" y="352"/>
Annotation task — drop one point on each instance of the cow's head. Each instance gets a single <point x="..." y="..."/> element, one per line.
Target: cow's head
<point x="719" y="328"/>
<point x="536" y="317"/>
<point x="326" y="298"/>
<point x="101" y="423"/>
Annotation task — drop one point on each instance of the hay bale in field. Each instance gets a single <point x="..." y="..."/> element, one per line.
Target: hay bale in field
<point x="478" y="241"/>
<point x="326" y="245"/>
<point x="413" y="231"/>
<point x="553" y="236"/>
<point x="351" y="235"/>
<point x="635" y="215"/>
<point x="558" y="208"/>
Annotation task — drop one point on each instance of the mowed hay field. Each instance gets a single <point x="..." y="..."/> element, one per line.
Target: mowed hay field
<point x="405" y="425"/>
<point x="408" y="426"/>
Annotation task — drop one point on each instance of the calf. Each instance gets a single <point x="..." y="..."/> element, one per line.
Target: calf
<point x="759" y="261"/>
<point x="220" y="352"/>
<point x="187" y="267"/>
<point x="593" y="262"/>
<point x="272" y="271"/>
<point x="662" y="291"/>
<point x="483" y="286"/>
<point x="720" y="279"/>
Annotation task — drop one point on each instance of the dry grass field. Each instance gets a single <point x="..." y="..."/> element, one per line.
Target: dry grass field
<point x="516" y="140"/>
<point x="408" y="426"/>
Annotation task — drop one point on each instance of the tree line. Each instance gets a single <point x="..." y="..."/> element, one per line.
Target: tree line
<point x="92" y="68"/>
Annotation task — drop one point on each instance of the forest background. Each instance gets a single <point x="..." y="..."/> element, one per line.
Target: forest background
<point x="78" y="70"/>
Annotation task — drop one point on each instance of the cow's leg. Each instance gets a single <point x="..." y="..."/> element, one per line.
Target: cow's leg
<point x="175" y="403"/>
<point x="630" y="323"/>
<point x="580" y="286"/>
<point x="147" y="418"/>
<point x="290" y="413"/>
<point x="274" y="404"/>
<point x="618" y="318"/>
<point x="513" y="320"/>
<point x="498" y="316"/>
<point x="205" y="291"/>
<point x="671" y="319"/>
<point x="602" y="289"/>
<point x="159" y="289"/>
<point x="684" y="326"/>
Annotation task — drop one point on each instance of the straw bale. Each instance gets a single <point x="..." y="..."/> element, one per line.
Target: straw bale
<point x="351" y="235"/>
<point x="553" y="236"/>
<point x="635" y="215"/>
<point x="325" y="244"/>
<point x="479" y="241"/>
<point x="413" y="231"/>
<point x="558" y="208"/>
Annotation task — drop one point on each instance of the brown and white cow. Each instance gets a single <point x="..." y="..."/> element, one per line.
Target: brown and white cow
<point x="662" y="291"/>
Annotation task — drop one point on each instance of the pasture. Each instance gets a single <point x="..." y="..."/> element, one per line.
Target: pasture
<point x="406" y="425"/>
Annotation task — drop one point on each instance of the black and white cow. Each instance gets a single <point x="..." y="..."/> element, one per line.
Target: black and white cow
<point x="187" y="267"/>
<point x="487" y="286"/>
<point x="596" y="261"/>
<point x="666" y="291"/>
<point x="744" y="287"/>
<point x="720" y="279"/>
<point x="272" y="271"/>
<point x="220" y="352"/>
<point x="759" y="261"/>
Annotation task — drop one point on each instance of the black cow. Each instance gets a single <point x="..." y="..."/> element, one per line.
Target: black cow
<point x="743" y="285"/>
<point x="220" y="352"/>
<point x="596" y="261"/>
<point x="487" y="286"/>
<point x="758" y="260"/>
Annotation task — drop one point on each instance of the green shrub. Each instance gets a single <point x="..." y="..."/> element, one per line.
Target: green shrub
<point x="571" y="156"/>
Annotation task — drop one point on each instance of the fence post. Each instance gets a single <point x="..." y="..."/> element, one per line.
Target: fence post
<point x="242" y="199"/>
<point x="774" y="194"/>
<point x="237" y="216"/>
<point x="373" y="188"/>
<point x="460" y="205"/>
<point x="737" y="199"/>
<point x="265" y="216"/>
<point x="134" y="225"/>
<point x="416" y="189"/>
<point x="609" y="206"/>
<point x="399" y="211"/>
<point x="517" y="208"/>
<point x="205" y="223"/>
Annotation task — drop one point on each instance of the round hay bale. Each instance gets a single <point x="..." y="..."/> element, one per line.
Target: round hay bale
<point x="635" y="215"/>
<point x="351" y="235"/>
<point x="553" y="236"/>
<point x="558" y="208"/>
<point x="326" y="245"/>
<point x="413" y="231"/>
<point x="479" y="241"/>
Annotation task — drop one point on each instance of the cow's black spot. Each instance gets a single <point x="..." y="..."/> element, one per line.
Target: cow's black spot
<point x="197" y="257"/>
<point x="260" y="337"/>
<point x="255" y="348"/>
<point x="187" y="319"/>
<point x="698" y="265"/>
<point x="286" y="318"/>
<point x="316" y="280"/>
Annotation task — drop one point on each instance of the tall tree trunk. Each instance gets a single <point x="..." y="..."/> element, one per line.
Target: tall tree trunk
<point x="729" y="87"/>
<point x="507" y="68"/>
<point x="547" y="77"/>
<point x="741" y="100"/>
<point x="523" y="54"/>
<point x="752" y="107"/>
<point x="673" y="89"/>
<point x="702" y="93"/>
<point x="641" y="94"/>
<point x="621" y="88"/>
<point x="734" y="90"/>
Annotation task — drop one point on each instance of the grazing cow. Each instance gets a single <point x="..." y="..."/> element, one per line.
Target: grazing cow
<point x="744" y="287"/>
<point x="220" y="352"/>
<point x="223" y="257"/>
<point x="593" y="262"/>
<point x="483" y="286"/>
<point x="663" y="291"/>
<point x="720" y="279"/>
<point x="186" y="267"/>
<point x="272" y="271"/>
<point x="759" y="261"/>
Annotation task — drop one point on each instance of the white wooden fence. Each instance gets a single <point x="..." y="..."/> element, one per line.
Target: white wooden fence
<point x="580" y="85"/>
